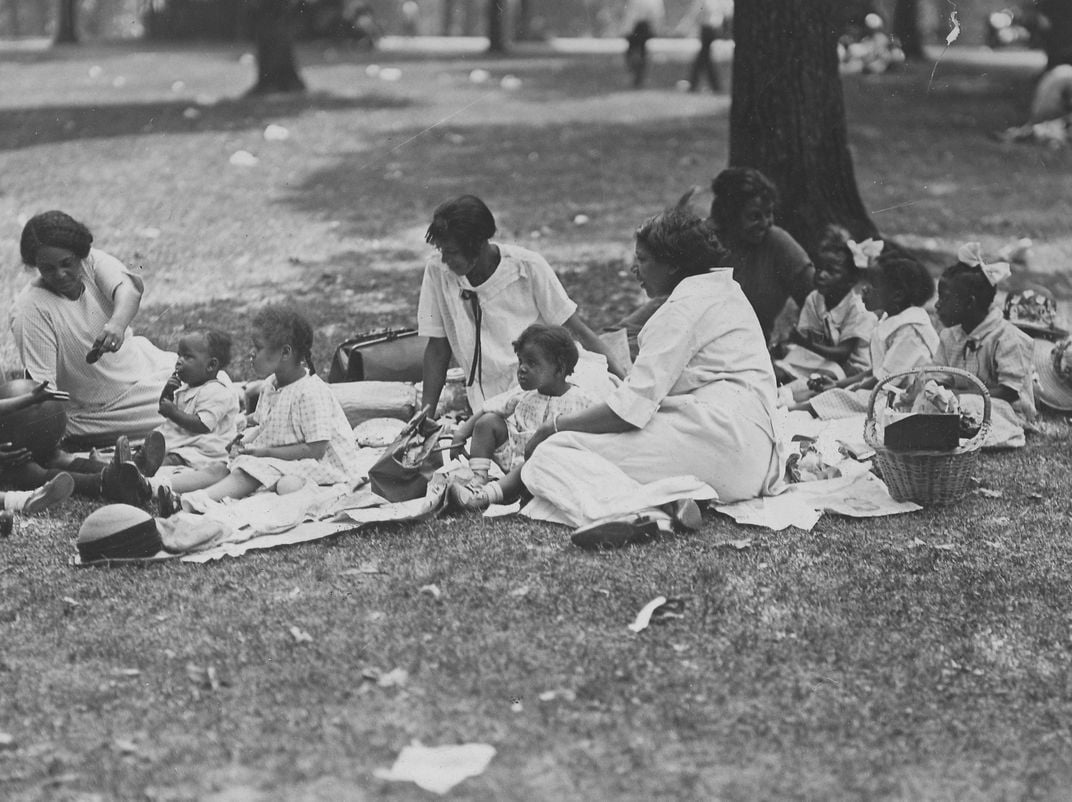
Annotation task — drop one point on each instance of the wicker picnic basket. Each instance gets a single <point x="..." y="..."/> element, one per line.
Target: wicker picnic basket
<point x="927" y="476"/>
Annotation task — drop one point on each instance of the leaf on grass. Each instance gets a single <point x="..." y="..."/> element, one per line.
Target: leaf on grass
<point x="643" y="618"/>
<point x="375" y="615"/>
<point x="7" y="741"/>
<point x="371" y="567"/>
<point x="987" y="492"/>
<point x="127" y="672"/>
<point x="126" y="746"/>
<point x="396" y="678"/>
<point x="916" y="543"/>
<point x="740" y="545"/>
<point x="995" y="545"/>
<point x="71" y="602"/>
<point x="430" y="590"/>
<point x="300" y="635"/>
<point x="1035" y="496"/>
<point x="371" y="674"/>
<point x="945" y="546"/>
<point x="519" y="592"/>
<point x="204" y="676"/>
<point x="559" y="693"/>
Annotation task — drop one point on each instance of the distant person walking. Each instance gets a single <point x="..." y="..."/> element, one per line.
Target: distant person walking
<point x="642" y="19"/>
<point x="711" y="17"/>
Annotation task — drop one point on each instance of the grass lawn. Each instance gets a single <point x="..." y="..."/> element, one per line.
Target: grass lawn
<point x="920" y="657"/>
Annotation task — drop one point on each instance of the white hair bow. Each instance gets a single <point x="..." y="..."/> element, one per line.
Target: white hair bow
<point x="863" y="253"/>
<point x="971" y="253"/>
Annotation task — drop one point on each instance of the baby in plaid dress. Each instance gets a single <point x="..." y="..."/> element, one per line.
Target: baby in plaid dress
<point x="501" y="430"/>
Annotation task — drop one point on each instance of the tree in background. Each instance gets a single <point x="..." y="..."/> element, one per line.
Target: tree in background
<point x="496" y="26"/>
<point x="273" y="33"/>
<point x="906" y="28"/>
<point x="787" y="117"/>
<point x="66" y="23"/>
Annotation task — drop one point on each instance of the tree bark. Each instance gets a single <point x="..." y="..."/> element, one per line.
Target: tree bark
<point x="787" y="118"/>
<point x="277" y="69"/>
<point x="496" y="26"/>
<point x="906" y="28"/>
<point x="66" y="23"/>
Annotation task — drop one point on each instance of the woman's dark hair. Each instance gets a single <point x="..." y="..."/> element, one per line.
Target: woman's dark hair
<point x="53" y="229"/>
<point x="281" y="326"/>
<point x="554" y="342"/>
<point x="974" y="280"/>
<point x="465" y="220"/>
<point x="733" y="188"/>
<point x="906" y="278"/>
<point x="218" y="345"/>
<point x="679" y="238"/>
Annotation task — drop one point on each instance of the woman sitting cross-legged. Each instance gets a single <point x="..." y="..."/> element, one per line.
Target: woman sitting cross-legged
<point x="694" y="415"/>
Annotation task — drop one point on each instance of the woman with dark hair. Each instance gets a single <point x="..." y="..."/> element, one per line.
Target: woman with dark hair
<point x="694" y="417"/>
<point x="768" y="263"/>
<point x="72" y="329"/>
<point x="478" y="296"/>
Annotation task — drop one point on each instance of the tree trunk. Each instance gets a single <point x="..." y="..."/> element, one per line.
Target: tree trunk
<point x="497" y="26"/>
<point x="523" y="22"/>
<point x="66" y="23"/>
<point x="277" y="70"/>
<point x="788" y="115"/>
<point x="906" y="28"/>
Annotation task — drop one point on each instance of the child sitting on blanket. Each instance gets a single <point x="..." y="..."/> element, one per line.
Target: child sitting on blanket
<point x="199" y="402"/>
<point x="977" y="338"/>
<point x="298" y="433"/>
<point x="896" y="289"/>
<point x="834" y="327"/>
<point x="546" y="356"/>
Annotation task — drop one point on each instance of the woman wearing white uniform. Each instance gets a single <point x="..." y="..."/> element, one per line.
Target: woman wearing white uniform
<point x="72" y="329"/>
<point x="694" y="417"/>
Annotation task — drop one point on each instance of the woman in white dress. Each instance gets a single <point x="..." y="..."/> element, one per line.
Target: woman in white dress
<point x="72" y="329"/>
<point x="694" y="417"/>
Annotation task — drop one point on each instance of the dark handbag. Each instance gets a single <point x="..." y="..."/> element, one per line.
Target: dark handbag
<point x="389" y="355"/>
<point x="402" y="473"/>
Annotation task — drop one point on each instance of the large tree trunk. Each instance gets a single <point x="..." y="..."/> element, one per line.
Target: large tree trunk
<point x="788" y="115"/>
<point x="66" y="23"/>
<point x="906" y="28"/>
<point x="277" y="70"/>
<point x="523" y="21"/>
<point x="496" y="26"/>
<point x="448" y="17"/>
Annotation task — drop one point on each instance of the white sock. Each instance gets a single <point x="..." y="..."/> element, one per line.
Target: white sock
<point x="15" y="500"/>
<point x="494" y="492"/>
<point x="481" y="466"/>
<point x="158" y="481"/>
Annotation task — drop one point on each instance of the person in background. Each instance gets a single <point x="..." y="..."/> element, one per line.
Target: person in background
<point x="642" y="19"/>
<point x="710" y="16"/>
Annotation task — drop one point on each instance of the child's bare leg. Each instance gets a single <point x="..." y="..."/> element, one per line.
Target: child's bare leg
<point x="489" y="433"/>
<point x="505" y="491"/>
<point x="185" y="481"/>
<point x="237" y="484"/>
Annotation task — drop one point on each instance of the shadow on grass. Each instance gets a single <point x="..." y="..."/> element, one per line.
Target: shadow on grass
<point x="25" y="127"/>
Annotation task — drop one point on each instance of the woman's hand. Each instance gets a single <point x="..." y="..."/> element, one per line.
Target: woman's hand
<point x="538" y="436"/>
<point x="109" y="340"/>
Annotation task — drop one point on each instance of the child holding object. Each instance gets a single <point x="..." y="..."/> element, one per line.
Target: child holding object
<point x="833" y="332"/>
<point x="977" y="338"/>
<point x="198" y="402"/>
<point x="546" y="356"/>
<point x="298" y="433"/>
<point x="896" y="289"/>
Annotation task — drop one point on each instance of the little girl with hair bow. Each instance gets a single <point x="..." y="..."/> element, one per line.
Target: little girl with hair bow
<point x="977" y="338"/>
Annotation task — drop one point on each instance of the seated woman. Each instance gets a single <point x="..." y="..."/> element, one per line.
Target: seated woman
<point x="478" y="295"/>
<point x="696" y="411"/>
<point x="72" y="329"/>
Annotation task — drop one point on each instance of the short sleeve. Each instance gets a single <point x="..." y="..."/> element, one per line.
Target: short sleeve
<point x="908" y="350"/>
<point x="36" y="342"/>
<point x="108" y="273"/>
<point x="1014" y="360"/>
<point x="430" y="321"/>
<point x="316" y="413"/>
<point x="553" y="303"/>
<point x="859" y="324"/>
<point x="809" y="319"/>
<point x="214" y="403"/>
<point x="665" y="351"/>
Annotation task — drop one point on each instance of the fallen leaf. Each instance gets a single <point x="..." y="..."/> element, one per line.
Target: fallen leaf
<point x="740" y="545"/>
<point x="430" y="590"/>
<point x="276" y="133"/>
<point x="944" y="546"/>
<point x="371" y="567"/>
<point x="438" y="768"/>
<point x="916" y="542"/>
<point x="986" y="492"/>
<point x="127" y="672"/>
<point x="204" y="676"/>
<point x="521" y="591"/>
<point x="243" y="158"/>
<point x="643" y="618"/>
<point x="300" y="635"/>
<point x="7" y="742"/>
<point x="71" y="602"/>
<point x="395" y="678"/>
<point x="1035" y="496"/>
<point x="560" y="693"/>
<point x="126" y="746"/>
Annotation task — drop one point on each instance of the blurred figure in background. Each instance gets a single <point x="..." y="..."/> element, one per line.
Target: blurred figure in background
<point x="642" y="19"/>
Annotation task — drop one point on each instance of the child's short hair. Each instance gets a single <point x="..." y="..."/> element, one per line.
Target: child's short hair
<point x="466" y="220"/>
<point x="974" y="279"/>
<point x="281" y="326"/>
<point x="218" y="344"/>
<point x="55" y="229"/>
<point x="906" y="277"/>
<point x="836" y="238"/>
<point x="733" y="188"/>
<point x="554" y="342"/>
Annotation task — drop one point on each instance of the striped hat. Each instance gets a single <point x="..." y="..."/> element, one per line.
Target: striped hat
<point x="119" y="532"/>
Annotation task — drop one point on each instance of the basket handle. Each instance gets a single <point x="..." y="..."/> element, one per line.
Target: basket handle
<point x="870" y="426"/>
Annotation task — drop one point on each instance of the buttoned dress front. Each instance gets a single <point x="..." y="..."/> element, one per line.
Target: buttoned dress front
<point x="701" y="395"/>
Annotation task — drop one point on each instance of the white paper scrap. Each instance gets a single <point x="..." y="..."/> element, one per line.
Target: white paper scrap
<point x="644" y="616"/>
<point x="438" y="768"/>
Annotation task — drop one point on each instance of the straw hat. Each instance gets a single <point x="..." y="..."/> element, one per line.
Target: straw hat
<point x="119" y="532"/>
<point x="1053" y="374"/>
